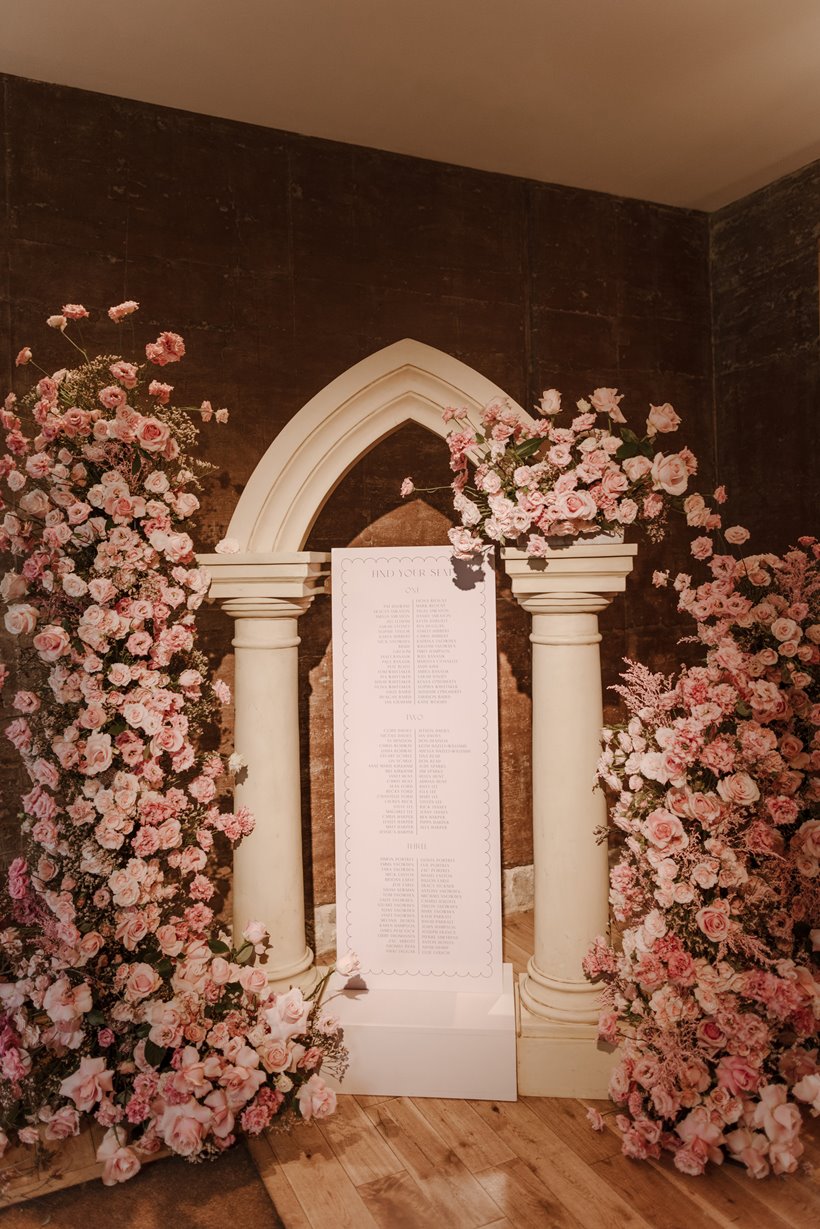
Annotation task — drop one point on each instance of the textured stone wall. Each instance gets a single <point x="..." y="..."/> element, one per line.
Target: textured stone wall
<point x="764" y="255"/>
<point x="284" y="260"/>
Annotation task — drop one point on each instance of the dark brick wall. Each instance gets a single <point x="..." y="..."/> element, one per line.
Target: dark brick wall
<point x="283" y="260"/>
<point x="764" y="256"/>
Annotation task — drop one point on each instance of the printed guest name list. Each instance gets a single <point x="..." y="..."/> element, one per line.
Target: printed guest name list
<point x="418" y="892"/>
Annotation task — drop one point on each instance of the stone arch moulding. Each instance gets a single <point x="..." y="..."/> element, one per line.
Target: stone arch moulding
<point x="405" y="382"/>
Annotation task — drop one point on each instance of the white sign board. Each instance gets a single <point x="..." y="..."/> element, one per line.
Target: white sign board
<point x="418" y="862"/>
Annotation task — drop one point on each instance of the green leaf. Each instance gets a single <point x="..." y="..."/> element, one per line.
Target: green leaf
<point x="218" y="947"/>
<point x="245" y="954"/>
<point x="742" y="709"/>
<point x="627" y="450"/>
<point x="154" y="1054"/>
<point x="95" y="1017"/>
<point x="528" y="448"/>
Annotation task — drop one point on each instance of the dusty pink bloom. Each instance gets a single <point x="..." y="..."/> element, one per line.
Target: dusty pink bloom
<point x="23" y="357"/>
<point x="122" y="310"/>
<point x="222" y="415"/>
<point x="168" y="348"/>
<point x="57" y="322"/>
<point x="74" y="311"/>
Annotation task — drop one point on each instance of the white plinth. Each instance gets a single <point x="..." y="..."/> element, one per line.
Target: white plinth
<point x="406" y="1043"/>
<point x="562" y="1060"/>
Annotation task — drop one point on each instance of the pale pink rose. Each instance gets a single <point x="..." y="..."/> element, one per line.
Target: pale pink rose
<point x="56" y="322"/>
<point x="183" y="1127"/>
<point x="636" y="467"/>
<point x="701" y="548"/>
<point x="808" y="1090"/>
<point x="574" y="505"/>
<point x="779" y="1118"/>
<point x="407" y="487"/>
<point x="255" y="932"/>
<point x="63" y="1124"/>
<point x="122" y="310"/>
<point x="98" y="754"/>
<point x="464" y="543"/>
<point x="606" y="401"/>
<point x="550" y="402"/>
<point x="13" y="586"/>
<point x="348" y="965"/>
<point x="713" y="920"/>
<point x="227" y="546"/>
<point x="669" y="473"/>
<point x="665" y="831"/>
<point x="64" y="1002"/>
<point x="142" y="981"/>
<point x="52" y="642"/>
<point x="738" y="789"/>
<point x="315" y="1099"/>
<point x="736" y="535"/>
<point x="88" y="1083"/>
<point x="661" y="418"/>
<point x="20" y="619"/>
<point x="152" y="435"/>
<point x="253" y="979"/>
<point x="785" y="629"/>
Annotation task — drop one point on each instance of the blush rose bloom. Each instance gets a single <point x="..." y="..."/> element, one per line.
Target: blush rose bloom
<point x="316" y="1100"/>
<point x="88" y="1083"/>
<point x="669" y="473"/>
<point x="20" y="619"/>
<point x="738" y="789"/>
<point x="183" y="1127"/>
<point x="662" y="418"/>
<point x="713" y="920"/>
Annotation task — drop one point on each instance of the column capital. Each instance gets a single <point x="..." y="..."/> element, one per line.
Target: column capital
<point x="583" y="577"/>
<point x="271" y="585"/>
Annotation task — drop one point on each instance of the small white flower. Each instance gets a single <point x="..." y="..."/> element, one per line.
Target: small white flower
<point x="236" y="762"/>
<point x="228" y="546"/>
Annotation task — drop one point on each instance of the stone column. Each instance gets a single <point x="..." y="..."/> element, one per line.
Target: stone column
<point x="558" y="1051"/>
<point x="265" y="595"/>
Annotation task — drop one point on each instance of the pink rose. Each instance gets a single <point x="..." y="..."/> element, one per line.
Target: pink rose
<point x="669" y="473"/>
<point x="574" y="505"/>
<point x="63" y="1124"/>
<point x="550" y="402"/>
<point x="736" y="535"/>
<point x="152" y="435"/>
<point x="713" y="920"/>
<point x="661" y="418"/>
<point x="315" y="1099"/>
<point x="785" y="629"/>
<point x="606" y="401"/>
<point x="88" y="1083"/>
<point x="636" y="467"/>
<point x="20" y="619"/>
<point x="52" y="642"/>
<point x="183" y="1127"/>
<point x="98" y="754"/>
<point x="738" y="789"/>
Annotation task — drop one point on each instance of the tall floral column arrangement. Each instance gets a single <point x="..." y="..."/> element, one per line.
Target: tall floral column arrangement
<point x="713" y="992"/>
<point x="558" y="499"/>
<point x="120" y="996"/>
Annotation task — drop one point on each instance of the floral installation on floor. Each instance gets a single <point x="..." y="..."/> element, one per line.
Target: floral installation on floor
<point x="537" y="483"/>
<point x="712" y="993"/>
<point x="711" y="990"/>
<point x="121" y="995"/>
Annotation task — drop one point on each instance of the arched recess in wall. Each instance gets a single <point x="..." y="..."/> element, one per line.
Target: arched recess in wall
<point x="405" y="382"/>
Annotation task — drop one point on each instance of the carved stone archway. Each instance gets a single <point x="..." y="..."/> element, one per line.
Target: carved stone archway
<point x="269" y="580"/>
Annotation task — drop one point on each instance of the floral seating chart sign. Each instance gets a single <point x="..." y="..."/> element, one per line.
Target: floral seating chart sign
<point x="416" y="763"/>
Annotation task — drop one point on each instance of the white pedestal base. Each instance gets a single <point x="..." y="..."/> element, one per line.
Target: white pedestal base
<point x="561" y="1060"/>
<point x="407" y="1043"/>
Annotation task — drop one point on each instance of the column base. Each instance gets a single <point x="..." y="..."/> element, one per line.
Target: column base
<point x="561" y="1060"/>
<point x="302" y="973"/>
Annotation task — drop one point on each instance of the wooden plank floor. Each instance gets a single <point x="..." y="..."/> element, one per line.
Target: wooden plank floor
<point x="410" y="1163"/>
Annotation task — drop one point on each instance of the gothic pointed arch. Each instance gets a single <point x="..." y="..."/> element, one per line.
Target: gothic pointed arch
<point x="405" y="382"/>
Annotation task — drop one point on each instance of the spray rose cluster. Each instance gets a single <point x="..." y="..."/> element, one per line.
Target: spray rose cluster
<point x="119" y="997"/>
<point x="713" y="990"/>
<point x="534" y="483"/>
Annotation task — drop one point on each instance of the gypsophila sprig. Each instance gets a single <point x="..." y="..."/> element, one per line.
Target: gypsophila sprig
<point x="119" y="996"/>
